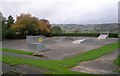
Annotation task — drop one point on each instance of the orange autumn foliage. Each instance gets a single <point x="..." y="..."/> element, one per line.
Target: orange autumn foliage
<point x="26" y="23"/>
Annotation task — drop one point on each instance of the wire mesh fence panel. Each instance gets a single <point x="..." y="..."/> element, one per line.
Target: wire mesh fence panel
<point x="34" y="39"/>
<point x="35" y="43"/>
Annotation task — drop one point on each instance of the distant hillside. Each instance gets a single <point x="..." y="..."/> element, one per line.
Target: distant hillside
<point x="91" y="28"/>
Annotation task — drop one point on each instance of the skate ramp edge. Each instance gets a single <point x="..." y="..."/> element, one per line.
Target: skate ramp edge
<point x="102" y="37"/>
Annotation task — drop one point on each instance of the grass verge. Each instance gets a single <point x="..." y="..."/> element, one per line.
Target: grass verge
<point x="16" y="51"/>
<point x="51" y="65"/>
<point x="91" y="55"/>
<point x="117" y="61"/>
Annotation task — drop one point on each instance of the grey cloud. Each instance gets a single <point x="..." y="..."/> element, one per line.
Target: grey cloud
<point x="66" y="11"/>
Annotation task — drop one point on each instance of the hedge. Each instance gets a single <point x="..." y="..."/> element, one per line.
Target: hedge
<point x="113" y="35"/>
<point x="13" y="36"/>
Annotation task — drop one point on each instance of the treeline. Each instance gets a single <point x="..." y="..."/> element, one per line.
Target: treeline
<point x="25" y="24"/>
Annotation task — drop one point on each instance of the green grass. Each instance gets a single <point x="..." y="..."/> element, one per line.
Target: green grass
<point x="16" y="51"/>
<point x="61" y="66"/>
<point x="0" y="58"/>
<point x="116" y="71"/>
<point x="117" y="61"/>
<point x="51" y="65"/>
<point x="90" y="55"/>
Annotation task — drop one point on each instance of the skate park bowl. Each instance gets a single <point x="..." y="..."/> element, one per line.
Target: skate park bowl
<point x="63" y="47"/>
<point x="87" y="40"/>
<point x="58" y="47"/>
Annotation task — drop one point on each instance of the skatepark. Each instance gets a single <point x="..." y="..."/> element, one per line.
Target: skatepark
<point x="59" y="48"/>
<point x="62" y="47"/>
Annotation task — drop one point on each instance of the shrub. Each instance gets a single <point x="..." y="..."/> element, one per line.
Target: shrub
<point x="77" y="34"/>
<point x="113" y="35"/>
<point x="10" y="34"/>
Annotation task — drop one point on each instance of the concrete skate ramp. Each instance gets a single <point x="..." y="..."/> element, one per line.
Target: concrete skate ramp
<point x="102" y="37"/>
<point x="49" y="41"/>
<point x="62" y="39"/>
<point x="84" y="41"/>
<point x="68" y="38"/>
<point x="88" y="41"/>
<point x="78" y="41"/>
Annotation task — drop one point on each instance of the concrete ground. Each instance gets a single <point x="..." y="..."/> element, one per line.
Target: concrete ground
<point x="61" y="47"/>
<point x="102" y="65"/>
<point x="21" y="69"/>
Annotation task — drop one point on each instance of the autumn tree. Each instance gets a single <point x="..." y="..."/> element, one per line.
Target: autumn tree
<point x="47" y="24"/>
<point x="26" y="24"/>
<point x="44" y="26"/>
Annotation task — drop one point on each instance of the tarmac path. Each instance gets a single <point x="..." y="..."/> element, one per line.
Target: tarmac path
<point x="21" y="69"/>
<point x="22" y="56"/>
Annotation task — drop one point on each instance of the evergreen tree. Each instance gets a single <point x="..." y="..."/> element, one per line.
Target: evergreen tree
<point x="10" y="21"/>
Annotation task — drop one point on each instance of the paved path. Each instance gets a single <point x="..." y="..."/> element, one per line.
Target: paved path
<point x="102" y="65"/>
<point x="21" y="69"/>
<point x="22" y="56"/>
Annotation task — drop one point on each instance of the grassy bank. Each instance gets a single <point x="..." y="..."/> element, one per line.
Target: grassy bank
<point x="117" y="61"/>
<point x="61" y="66"/>
<point x="90" y="55"/>
<point x="51" y="65"/>
<point x="16" y="51"/>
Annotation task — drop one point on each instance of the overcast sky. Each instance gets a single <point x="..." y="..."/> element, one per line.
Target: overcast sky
<point x="64" y="11"/>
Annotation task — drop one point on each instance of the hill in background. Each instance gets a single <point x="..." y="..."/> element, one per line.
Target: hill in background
<point x="88" y="28"/>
